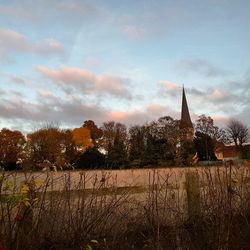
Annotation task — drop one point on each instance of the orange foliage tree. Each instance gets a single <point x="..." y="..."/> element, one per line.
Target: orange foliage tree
<point x="82" y="138"/>
<point x="11" y="147"/>
<point x="95" y="132"/>
<point x="51" y="144"/>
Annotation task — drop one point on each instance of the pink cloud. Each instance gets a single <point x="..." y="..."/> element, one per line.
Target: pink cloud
<point x="145" y="114"/>
<point x="220" y="120"/>
<point x="156" y="109"/>
<point x="92" y="62"/>
<point x="86" y="81"/>
<point x="45" y="94"/>
<point x="169" y="85"/>
<point x="12" y="41"/>
<point x="129" y="117"/>
<point x="219" y="95"/>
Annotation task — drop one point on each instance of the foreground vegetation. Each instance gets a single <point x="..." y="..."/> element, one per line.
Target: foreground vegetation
<point x="211" y="211"/>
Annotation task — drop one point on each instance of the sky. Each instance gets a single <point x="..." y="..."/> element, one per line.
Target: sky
<point x="65" y="62"/>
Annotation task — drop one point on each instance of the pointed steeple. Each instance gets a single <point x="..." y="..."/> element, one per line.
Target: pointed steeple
<point x="185" y="122"/>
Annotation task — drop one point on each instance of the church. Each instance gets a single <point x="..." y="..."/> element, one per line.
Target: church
<point x="186" y="124"/>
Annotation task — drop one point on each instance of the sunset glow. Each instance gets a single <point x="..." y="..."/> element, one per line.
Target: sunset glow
<point x="71" y="61"/>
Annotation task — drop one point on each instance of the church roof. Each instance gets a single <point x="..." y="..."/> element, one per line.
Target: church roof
<point x="185" y="117"/>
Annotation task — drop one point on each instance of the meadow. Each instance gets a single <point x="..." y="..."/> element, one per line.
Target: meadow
<point x="167" y="208"/>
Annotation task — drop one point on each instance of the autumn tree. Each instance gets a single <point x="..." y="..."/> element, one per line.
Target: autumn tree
<point x="95" y="132"/>
<point x="237" y="133"/>
<point x="52" y="144"/>
<point x="82" y="138"/>
<point x="115" y="143"/>
<point x="11" y="148"/>
<point x="70" y="148"/>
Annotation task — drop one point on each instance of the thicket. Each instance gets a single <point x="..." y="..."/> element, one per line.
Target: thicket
<point x="211" y="210"/>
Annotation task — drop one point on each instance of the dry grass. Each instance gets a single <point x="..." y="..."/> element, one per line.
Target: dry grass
<point x="212" y="211"/>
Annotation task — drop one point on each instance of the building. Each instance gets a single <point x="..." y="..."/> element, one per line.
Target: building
<point x="231" y="152"/>
<point x="225" y="153"/>
<point x="186" y="125"/>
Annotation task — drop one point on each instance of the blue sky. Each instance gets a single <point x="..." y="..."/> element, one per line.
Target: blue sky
<point x="70" y="61"/>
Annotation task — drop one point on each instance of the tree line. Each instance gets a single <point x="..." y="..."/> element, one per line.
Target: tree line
<point x="113" y="145"/>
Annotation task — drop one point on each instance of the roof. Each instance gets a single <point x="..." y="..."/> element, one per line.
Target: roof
<point x="185" y="116"/>
<point x="228" y="151"/>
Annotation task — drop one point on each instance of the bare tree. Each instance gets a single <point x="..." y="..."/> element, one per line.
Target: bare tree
<point x="237" y="133"/>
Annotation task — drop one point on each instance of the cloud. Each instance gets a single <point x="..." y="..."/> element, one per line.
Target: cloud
<point x="150" y="19"/>
<point x="18" y="11"/>
<point x="201" y="67"/>
<point x="49" y="109"/>
<point x="87" y="82"/>
<point x="81" y="9"/>
<point x="209" y="94"/>
<point x="209" y="100"/>
<point x="133" y="32"/>
<point x="196" y="92"/>
<point x="46" y="12"/>
<point x="169" y="87"/>
<point x="92" y="62"/>
<point x="220" y="120"/>
<point x="156" y="109"/>
<point x="128" y="117"/>
<point x="45" y="94"/>
<point x="70" y="111"/>
<point x="16" y="79"/>
<point x="142" y="115"/>
<point x="13" y="42"/>
<point x="2" y="92"/>
<point x="218" y="95"/>
<point x="244" y="115"/>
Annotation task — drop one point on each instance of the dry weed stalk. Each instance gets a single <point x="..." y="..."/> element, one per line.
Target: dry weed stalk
<point x="212" y="211"/>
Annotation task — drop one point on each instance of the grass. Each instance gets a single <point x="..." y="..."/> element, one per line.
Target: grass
<point x="212" y="211"/>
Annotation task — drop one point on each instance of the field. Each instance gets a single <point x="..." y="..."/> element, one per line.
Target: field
<point x="167" y="208"/>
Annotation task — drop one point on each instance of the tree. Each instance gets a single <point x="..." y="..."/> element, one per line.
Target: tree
<point x="206" y="137"/>
<point x="154" y="143"/>
<point x="205" y="146"/>
<point x="95" y="132"/>
<point x="70" y="148"/>
<point x="11" y="148"/>
<point x="168" y="130"/>
<point x="51" y="144"/>
<point x="137" y="144"/>
<point x="91" y="158"/>
<point x="237" y="133"/>
<point x="166" y="139"/>
<point x="82" y="138"/>
<point x="114" y="143"/>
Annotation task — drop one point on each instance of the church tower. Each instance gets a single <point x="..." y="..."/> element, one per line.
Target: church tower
<point x="185" y="123"/>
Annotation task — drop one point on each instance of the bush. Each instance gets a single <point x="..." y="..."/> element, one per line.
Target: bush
<point x="91" y="158"/>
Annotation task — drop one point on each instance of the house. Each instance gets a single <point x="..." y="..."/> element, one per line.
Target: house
<point x="224" y="152"/>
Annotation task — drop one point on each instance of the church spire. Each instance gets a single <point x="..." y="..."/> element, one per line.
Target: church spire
<point x="185" y="122"/>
